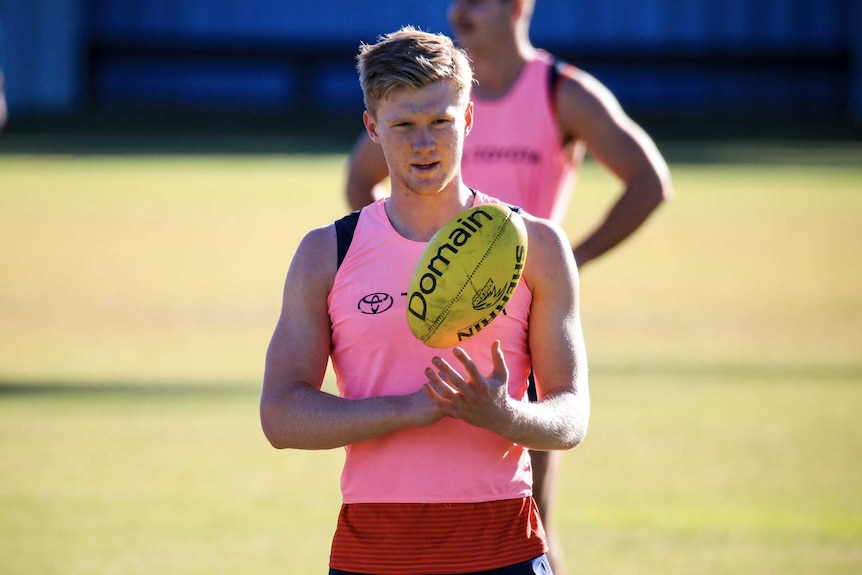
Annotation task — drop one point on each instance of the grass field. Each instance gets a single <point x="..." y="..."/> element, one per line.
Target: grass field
<point x="137" y="298"/>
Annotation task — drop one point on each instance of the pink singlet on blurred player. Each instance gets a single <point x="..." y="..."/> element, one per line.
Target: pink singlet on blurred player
<point x="535" y="119"/>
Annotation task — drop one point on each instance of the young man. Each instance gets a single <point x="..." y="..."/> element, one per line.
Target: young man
<point x="535" y="120"/>
<point x="437" y="472"/>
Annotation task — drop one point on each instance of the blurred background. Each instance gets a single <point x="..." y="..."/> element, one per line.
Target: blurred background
<point x="737" y="68"/>
<point x="163" y="159"/>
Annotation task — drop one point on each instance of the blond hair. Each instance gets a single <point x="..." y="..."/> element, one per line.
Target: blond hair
<point x="410" y="58"/>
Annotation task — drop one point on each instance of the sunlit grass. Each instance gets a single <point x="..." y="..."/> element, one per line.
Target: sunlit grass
<point x="137" y="296"/>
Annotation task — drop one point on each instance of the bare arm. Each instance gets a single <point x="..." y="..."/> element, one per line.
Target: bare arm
<point x="588" y="112"/>
<point x="366" y="171"/>
<point x="560" y="418"/>
<point x="294" y="411"/>
<point x="4" y="112"/>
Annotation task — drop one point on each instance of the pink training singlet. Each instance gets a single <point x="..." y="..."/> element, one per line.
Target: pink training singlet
<point x="514" y="151"/>
<point x="374" y="353"/>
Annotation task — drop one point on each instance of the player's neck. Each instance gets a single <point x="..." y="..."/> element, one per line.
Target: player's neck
<point x="497" y="72"/>
<point x="418" y="216"/>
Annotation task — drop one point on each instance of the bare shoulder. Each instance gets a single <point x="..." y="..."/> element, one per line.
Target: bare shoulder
<point x="581" y="91"/>
<point x="543" y="232"/>
<point x="587" y="111"/>
<point x="315" y="261"/>
<point x="549" y="252"/>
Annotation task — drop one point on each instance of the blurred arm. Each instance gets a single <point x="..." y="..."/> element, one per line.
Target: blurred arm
<point x="3" y="109"/>
<point x="587" y="111"/>
<point x="366" y="171"/>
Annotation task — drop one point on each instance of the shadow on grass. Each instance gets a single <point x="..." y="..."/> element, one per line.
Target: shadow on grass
<point x="126" y="389"/>
<point x="693" y="372"/>
<point x="733" y="372"/>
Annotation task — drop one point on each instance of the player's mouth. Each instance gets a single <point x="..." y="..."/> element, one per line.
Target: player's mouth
<point x="426" y="166"/>
<point x="462" y="28"/>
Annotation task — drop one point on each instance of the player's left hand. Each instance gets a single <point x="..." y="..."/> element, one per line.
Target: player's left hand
<point x="480" y="400"/>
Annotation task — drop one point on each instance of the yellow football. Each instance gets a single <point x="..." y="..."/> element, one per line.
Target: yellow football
<point x="466" y="274"/>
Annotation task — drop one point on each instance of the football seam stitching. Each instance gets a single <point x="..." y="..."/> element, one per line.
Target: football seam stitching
<point x="445" y="312"/>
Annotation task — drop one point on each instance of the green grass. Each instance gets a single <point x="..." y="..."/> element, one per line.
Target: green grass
<point x="137" y="299"/>
<point x="150" y="268"/>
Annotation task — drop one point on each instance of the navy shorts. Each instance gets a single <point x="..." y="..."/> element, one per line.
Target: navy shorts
<point x="537" y="566"/>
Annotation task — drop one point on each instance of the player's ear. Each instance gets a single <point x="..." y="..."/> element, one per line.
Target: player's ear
<point x="468" y="118"/>
<point x="370" y="126"/>
<point x="517" y="9"/>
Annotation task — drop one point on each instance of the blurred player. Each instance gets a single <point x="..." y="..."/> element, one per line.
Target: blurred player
<point x="535" y="119"/>
<point x="436" y="476"/>
<point x="4" y="112"/>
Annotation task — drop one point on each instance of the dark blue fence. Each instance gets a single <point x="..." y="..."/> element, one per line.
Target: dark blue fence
<point x="765" y="58"/>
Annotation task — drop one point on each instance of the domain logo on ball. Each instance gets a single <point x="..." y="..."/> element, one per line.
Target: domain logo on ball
<point x="466" y="274"/>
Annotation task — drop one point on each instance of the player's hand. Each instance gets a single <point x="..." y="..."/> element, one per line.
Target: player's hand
<point x="480" y="400"/>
